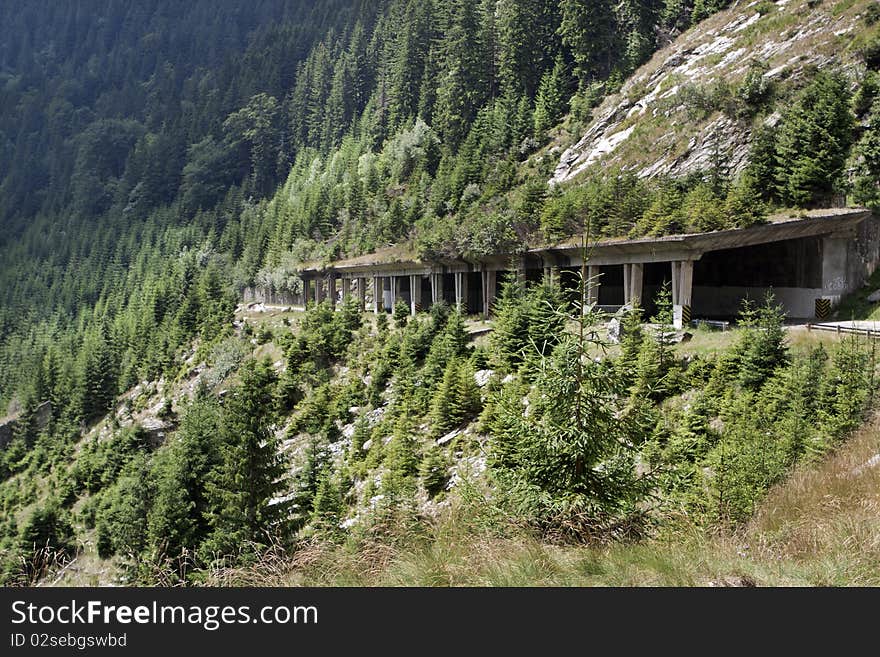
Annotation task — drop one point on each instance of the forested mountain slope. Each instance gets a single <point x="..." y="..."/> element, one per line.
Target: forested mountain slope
<point x="158" y="158"/>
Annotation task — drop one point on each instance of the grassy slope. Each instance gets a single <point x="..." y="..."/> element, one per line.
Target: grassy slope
<point x="821" y="527"/>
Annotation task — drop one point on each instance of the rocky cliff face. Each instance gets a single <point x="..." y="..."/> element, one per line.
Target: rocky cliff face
<point x="685" y="108"/>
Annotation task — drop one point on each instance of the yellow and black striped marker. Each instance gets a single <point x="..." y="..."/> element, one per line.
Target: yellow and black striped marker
<point x="823" y="308"/>
<point x="685" y="315"/>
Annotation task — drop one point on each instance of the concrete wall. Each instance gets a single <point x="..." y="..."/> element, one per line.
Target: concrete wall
<point x="274" y="298"/>
<point x="726" y="301"/>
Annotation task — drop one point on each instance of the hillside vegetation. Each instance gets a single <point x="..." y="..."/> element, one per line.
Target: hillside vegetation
<point x="155" y="160"/>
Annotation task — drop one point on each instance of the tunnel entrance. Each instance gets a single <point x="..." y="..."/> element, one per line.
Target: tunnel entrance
<point x="790" y="269"/>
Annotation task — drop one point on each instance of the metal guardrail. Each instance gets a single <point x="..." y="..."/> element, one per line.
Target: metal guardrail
<point x="873" y="333"/>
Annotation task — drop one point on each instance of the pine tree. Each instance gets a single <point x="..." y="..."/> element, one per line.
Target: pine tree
<point x="763" y="346"/>
<point x="327" y="507"/>
<point x="177" y="522"/>
<point x="444" y="407"/>
<point x="813" y="142"/>
<point x="243" y="512"/>
<point x="866" y="186"/>
<point x="434" y="472"/>
<point x="588" y="29"/>
<point x="550" y="100"/>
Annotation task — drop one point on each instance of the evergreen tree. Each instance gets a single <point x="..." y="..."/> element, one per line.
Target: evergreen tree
<point x="243" y="510"/>
<point x="763" y="347"/>
<point x="588" y="29"/>
<point x="550" y="101"/>
<point x="813" y="143"/>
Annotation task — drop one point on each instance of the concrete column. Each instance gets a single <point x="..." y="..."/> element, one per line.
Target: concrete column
<point x="461" y="291"/>
<point x="331" y="290"/>
<point x="627" y="279"/>
<point x="362" y="293"/>
<point x="682" y="289"/>
<point x="415" y="293"/>
<point x="319" y="289"/>
<point x="592" y="284"/>
<point x="686" y="282"/>
<point x="307" y="291"/>
<point x="396" y="289"/>
<point x="636" y="280"/>
<point x="835" y="278"/>
<point x="378" y="305"/>
<point x="490" y="285"/>
<point x="521" y="270"/>
<point x="346" y="289"/>
<point x="676" y="279"/>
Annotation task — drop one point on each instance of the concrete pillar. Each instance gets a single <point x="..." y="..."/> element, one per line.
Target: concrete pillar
<point x="346" y="289"/>
<point x="682" y="289"/>
<point x="686" y="282"/>
<point x="331" y="290"/>
<point x="378" y="305"/>
<point x="307" y="291"/>
<point x="636" y="280"/>
<point x="835" y="270"/>
<point x="436" y="287"/>
<point x="319" y="289"/>
<point x="592" y="284"/>
<point x="676" y="278"/>
<point x="490" y="285"/>
<point x="461" y="291"/>
<point x="521" y="270"/>
<point x="396" y="289"/>
<point x="415" y="293"/>
<point x="362" y="293"/>
<point x="627" y="278"/>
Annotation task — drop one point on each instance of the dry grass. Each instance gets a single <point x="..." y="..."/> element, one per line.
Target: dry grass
<point x="827" y="515"/>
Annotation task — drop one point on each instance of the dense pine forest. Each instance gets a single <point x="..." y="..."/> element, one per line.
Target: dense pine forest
<point x="158" y="158"/>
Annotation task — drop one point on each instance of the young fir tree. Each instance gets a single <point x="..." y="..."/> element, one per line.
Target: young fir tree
<point x="631" y="341"/>
<point x="445" y="410"/>
<point x="434" y="472"/>
<point x="327" y="508"/>
<point x="813" y="142"/>
<point x="243" y="513"/>
<point x="866" y="186"/>
<point x="511" y="327"/>
<point x="567" y="459"/>
<point x="763" y="346"/>
<point x="177" y="523"/>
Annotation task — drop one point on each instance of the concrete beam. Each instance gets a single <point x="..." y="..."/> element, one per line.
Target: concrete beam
<point x="682" y="291"/>
<point x="396" y="289"/>
<point x="686" y="282"/>
<point x="437" y="287"/>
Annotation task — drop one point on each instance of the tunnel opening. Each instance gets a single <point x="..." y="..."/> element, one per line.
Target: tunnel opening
<point x="790" y="269"/>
